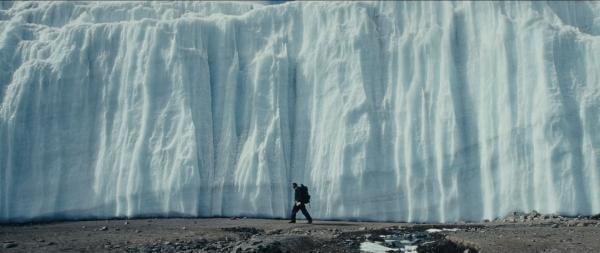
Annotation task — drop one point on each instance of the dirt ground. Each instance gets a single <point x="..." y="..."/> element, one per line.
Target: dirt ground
<point x="269" y="235"/>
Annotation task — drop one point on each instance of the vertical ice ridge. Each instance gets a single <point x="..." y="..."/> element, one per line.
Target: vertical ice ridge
<point x="413" y="111"/>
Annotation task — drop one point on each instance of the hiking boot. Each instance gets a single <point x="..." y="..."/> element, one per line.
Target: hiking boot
<point x="292" y="221"/>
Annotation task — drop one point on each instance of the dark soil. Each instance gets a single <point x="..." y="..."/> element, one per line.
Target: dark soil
<point x="266" y="235"/>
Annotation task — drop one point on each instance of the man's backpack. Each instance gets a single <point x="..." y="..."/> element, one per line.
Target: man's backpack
<point x="304" y="196"/>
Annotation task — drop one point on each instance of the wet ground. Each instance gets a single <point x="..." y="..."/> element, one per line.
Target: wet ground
<point x="268" y="235"/>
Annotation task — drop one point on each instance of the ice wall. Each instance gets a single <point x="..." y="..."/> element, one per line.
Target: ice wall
<point x="400" y="111"/>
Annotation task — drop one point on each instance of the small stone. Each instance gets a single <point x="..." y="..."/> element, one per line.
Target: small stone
<point x="184" y="228"/>
<point x="40" y="240"/>
<point x="126" y="222"/>
<point x="362" y="228"/>
<point x="8" y="245"/>
<point x="137" y="231"/>
<point x="581" y="224"/>
<point x="103" y="228"/>
<point x="554" y="225"/>
<point x="83" y="227"/>
<point x="167" y="243"/>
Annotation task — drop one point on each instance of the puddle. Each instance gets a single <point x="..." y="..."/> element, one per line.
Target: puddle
<point x="375" y="248"/>
<point x="435" y="230"/>
<point x="430" y="240"/>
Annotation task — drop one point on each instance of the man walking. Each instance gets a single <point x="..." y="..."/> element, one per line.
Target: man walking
<point x="301" y="197"/>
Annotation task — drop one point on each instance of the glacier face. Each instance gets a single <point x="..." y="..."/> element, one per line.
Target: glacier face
<point x="397" y="111"/>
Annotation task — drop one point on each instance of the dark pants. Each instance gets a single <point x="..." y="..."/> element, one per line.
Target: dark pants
<point x="302" y="208"/>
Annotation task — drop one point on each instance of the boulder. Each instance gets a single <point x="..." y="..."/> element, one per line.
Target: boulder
<point x="8" y="245"/>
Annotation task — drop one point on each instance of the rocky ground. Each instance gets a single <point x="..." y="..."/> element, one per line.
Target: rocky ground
<point x="517" y="233"/>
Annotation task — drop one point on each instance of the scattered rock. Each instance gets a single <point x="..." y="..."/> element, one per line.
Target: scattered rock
<point x="103" y="228"/>
<point x="275" y="243"/>
<point x="126" y="223"/>
<point x="362" y="228"/>
<point x="8" y="245"/>
<point x="274" y="232"/>
<point x="374" y="238"/>
<point x="554" y="225"/>
<point x="137" y="231"/>
<point x="244" y="230"/>
<point x="534" y="214"/>
<point x="184" y="228"/>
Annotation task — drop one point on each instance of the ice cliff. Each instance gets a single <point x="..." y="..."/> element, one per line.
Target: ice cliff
<point x="399" y="111"/>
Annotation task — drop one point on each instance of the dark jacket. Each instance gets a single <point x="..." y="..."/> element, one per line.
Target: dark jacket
<point x="297" y="194"/>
